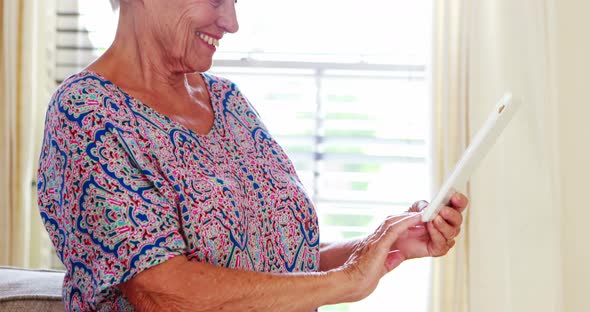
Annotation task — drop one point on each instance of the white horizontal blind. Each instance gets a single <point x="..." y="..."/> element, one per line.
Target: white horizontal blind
<point x="360" y="157"/>
<point x="84" y="30"/>
<point x="354" y="124"/>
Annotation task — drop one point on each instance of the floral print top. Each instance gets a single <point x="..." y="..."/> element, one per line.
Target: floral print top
<point x="123" y="188"/>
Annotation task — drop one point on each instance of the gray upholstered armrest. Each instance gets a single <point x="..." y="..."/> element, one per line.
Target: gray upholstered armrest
<point x="30" y="290"/>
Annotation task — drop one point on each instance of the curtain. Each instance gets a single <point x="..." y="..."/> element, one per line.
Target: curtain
<point x="515" y="261"/>
<point x="449" y="136"/>
<point x="573" y="64"/>
<point x="10" y="60"/>
<point x="508" y="257"/>
<point x="26" y="81"/>
<point x="7" y="116"/>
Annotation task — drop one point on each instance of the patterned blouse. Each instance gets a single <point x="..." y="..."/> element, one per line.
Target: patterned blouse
<point x="123" y="188"/>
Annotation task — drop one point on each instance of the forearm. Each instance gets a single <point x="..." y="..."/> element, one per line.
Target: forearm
<point x="334" y="255"/>
<point x="194" y="286"/>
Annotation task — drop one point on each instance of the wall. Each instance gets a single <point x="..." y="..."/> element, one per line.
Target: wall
<point x="573" y="81"/>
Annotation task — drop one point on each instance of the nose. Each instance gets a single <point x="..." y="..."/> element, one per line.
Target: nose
<point x="228" y="20"/>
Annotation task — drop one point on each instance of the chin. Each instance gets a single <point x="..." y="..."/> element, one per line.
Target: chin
<point x="201" y="66"/>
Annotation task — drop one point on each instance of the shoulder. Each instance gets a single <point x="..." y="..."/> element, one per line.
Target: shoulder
<point x="230" y="95"/>
<point x="83" y="84"/>
<point x="84" y="97"/>
<point x="219" y="84"/>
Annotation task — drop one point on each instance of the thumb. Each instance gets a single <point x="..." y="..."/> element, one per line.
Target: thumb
<point x="393" y="260"/>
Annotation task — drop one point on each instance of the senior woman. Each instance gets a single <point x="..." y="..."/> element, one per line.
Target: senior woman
<point x="162" y="190"/>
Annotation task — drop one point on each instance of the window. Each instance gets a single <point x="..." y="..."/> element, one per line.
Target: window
<point x="342" y="86"/>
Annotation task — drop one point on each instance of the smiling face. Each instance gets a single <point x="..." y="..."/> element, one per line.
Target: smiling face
<point x="187" y="32"/>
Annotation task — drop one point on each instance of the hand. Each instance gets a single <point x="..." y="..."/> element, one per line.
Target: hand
<point x="437" y="237"/>
<point x="371" y="257"/>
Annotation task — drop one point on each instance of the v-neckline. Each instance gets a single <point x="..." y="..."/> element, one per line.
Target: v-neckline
<point x="174" y="124"/>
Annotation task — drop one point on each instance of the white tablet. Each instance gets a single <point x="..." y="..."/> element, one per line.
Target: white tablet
<point x="475" y="152"/>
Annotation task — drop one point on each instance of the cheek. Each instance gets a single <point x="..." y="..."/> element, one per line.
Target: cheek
<point x="188" y="40"/>
<point x="179" y="42"/>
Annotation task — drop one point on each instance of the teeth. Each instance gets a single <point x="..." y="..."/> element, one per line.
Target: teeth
<point x="209" y="40"/>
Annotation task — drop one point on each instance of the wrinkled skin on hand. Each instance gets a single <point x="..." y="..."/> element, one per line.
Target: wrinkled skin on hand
<point x="399" y="238"/>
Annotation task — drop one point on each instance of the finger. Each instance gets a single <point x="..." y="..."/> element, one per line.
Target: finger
<point x="418" y="206"/>
<point x="414" y="232"/>
<point x="393" y="219"/>
<point x="459" y="201"/>
<point x="439" y="243"/>
<point x="451" y="243"/>
<point x="452" y="216"/>
<point x="396" y="229"/>
<point x="390" y="220"/>
<point x="447" y="230"/>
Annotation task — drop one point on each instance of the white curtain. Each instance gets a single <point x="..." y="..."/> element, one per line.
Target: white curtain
<point x="449" y="122"/>
<point x="508" y="257"/>
<point x="8" y="94"/>
<point x="25" y="76"/>
<point x="573" y="64"/>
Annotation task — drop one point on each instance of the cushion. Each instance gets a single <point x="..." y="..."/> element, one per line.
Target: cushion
<point x="30" y="290"/>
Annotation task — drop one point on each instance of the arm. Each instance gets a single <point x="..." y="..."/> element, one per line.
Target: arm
<point x="182" y="285"/>
<point x="335" y="254"/>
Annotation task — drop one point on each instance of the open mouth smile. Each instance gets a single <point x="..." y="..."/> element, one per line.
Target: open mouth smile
<point x="208" y="39"/>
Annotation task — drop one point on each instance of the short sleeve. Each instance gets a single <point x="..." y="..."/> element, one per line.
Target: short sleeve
<point x="101" y="198"/>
